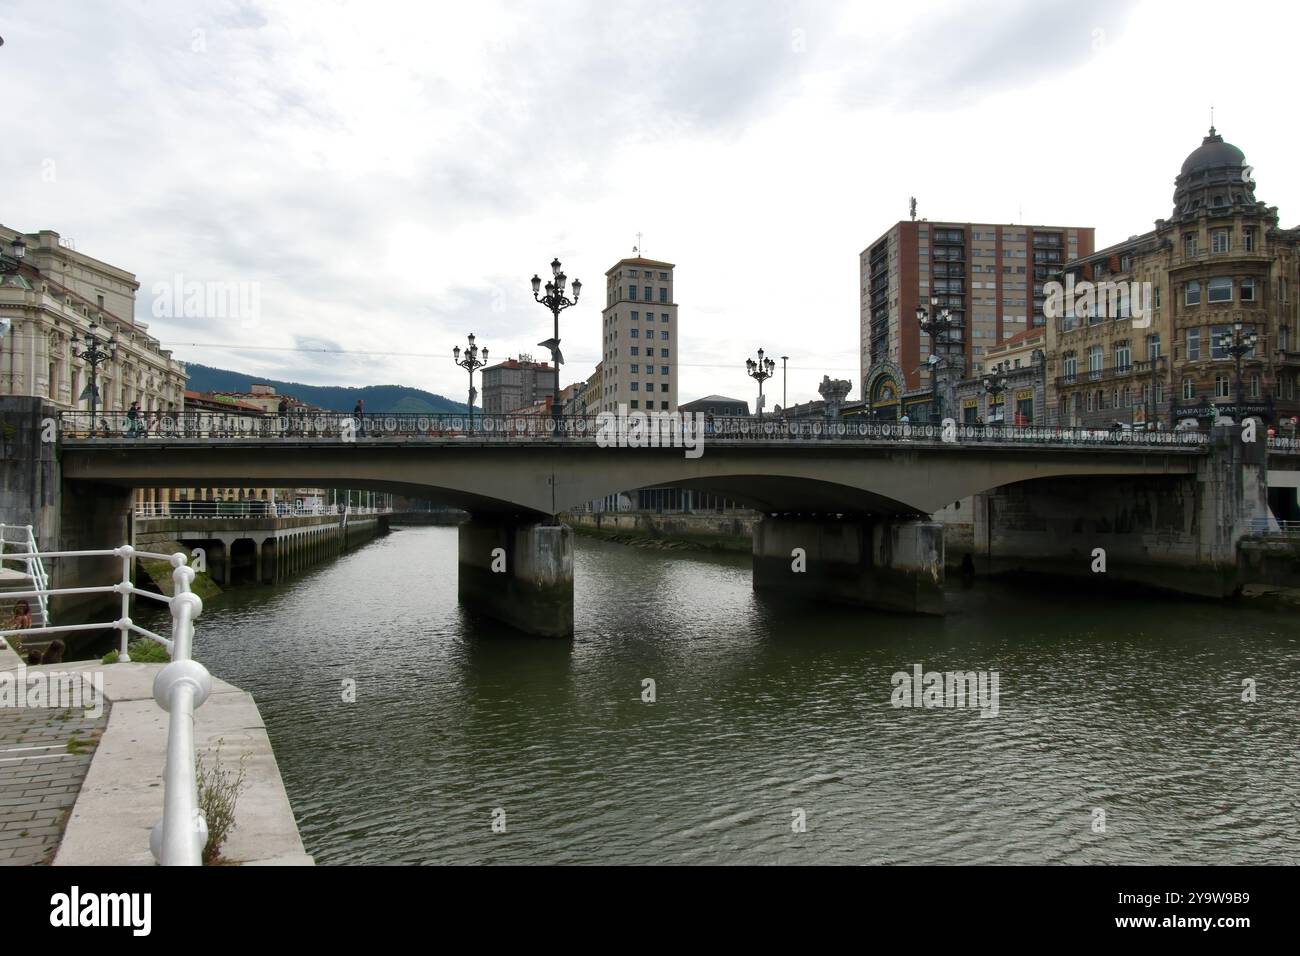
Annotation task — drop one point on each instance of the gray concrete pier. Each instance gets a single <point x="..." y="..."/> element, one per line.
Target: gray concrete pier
<point x="519" y="571"/>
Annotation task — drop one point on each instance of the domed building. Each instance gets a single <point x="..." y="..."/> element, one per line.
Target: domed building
<point x="1154" y="338"/>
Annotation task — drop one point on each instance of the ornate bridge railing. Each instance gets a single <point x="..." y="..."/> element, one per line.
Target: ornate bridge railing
<point x="645" y="428"/>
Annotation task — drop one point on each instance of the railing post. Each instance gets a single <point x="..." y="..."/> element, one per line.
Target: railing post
<point x="125" y="623"/>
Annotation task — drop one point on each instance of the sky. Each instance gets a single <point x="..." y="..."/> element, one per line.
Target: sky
<point x="379" y="179"/>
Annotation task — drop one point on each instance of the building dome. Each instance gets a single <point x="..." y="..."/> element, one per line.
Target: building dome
<point x="1213" y="152"/>
<point x="1214" y="178"/>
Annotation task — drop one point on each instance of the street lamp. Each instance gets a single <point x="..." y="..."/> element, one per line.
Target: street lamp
<point x="557" y="302"/>
<point x="95" y="354"/>
<point x="994" y="385"/>
<point x="1238" y="341"/>
<point x="11" y="262"/>
<point x="785" y="398"/>
<point x="936" y="323"/>
<point x="760" y="371"/>
<point x="470" y="363"/>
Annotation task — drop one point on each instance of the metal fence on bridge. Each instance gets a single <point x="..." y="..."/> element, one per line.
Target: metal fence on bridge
<point x="634" y="428"/>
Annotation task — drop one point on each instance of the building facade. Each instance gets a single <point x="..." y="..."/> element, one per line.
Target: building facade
<point x="516" y="383"/>
<point x="53" y="300"/>
<point x="639" y="337"/>
<point x="989" y="276"/>
<point x="1017" y="370"/>
<point x="1150" y="342"/>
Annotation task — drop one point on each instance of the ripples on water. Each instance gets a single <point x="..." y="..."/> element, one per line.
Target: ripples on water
<point x="1132" y="705"/>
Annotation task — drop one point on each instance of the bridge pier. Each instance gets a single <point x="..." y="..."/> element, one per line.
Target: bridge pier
<point x="518" y="571"/>
<point x="894" y="564"/>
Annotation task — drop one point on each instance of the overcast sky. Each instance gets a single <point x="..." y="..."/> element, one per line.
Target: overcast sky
<point x="389" y="176"/>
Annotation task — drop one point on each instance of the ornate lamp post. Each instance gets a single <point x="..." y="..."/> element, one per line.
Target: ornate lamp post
<point x="1237" y="342"/>
<point x="470" y="363"/>
<point x="10" y="263"/>
<point x="760" y="371"/>
<point x="936" y="323"/>
<point x="95" y="354"/>
<point x="557" y="302"/>
<point x="994" y="385"/>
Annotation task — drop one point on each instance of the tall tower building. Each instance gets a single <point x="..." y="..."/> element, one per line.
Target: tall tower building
<point x="639" y="347"/>
<point x="988" y="275"/>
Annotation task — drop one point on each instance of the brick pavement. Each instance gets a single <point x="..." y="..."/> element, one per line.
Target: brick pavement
<point x="40" y="778"/>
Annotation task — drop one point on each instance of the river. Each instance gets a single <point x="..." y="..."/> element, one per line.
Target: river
<point x="764" y="711"/>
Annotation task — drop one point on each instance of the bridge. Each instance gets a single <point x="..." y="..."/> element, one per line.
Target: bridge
<point x="849" y="507"/>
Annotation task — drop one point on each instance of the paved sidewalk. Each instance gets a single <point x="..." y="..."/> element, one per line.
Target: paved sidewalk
<point x="44" y="756"/>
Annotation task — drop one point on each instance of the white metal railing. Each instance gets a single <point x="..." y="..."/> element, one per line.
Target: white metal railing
<point x="35" y="566"/>
<point x="179" y="688"/>
<point x="245" y="509"/>
<point x="1269" y="526"/>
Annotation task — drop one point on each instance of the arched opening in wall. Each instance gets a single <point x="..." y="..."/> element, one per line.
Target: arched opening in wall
<point x="243" y="561"/>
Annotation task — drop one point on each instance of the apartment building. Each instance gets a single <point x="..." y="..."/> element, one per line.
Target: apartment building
<point x="989" y="276"/>
<point x="639" y="337"/>
<point x="516" y="383"/>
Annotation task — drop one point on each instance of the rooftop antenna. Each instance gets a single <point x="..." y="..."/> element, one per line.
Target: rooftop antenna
<point x="911" y="204"/>
<point x="636" y="250"/>
<point x="1211" y="119"/>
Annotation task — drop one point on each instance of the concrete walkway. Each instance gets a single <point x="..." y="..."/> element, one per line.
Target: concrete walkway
<point x="119" y="794"/>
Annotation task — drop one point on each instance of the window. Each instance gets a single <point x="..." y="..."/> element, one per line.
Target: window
<point x="663" y="277"/>
<point x="647" y="291"/>
<point x="1192" y="293"/>
<point x="636" y="333"/>
<point x="1248" y="240"/>
<point x="1220" y="290"/>
<point x="663" y="353"/>
<point x="635" y="386"/>
<point x="635" y="403"/>
<point x="1254" y="386"/>
<point x="663" y="387"/>
<point x="1284" y="338"/>
<point x="663" y="369"/>
<point x="1220" y="339"/>
<point x="664" y="334"/>
<point x="1094" y="359"/>
<point x="1071" y="366"/>
<point x="631" y="292"/>
<point x="1247" y="290"/>
<point x="1220" y="386"/>
<point x="1123" y="356"/>
<point x="663" y="317"/>
<point x="1189" y="390"/>
<point x="636" y="316"/>
<point x="636" y="368"/>
<point x="636" y="350"/>
<point x="1219" y="240"/>
<point x="1089" y="401"/>
<point x="663" y="294"/>
<point x="1157" y="292"/>
<point x="1193" y="344"/>
<point x="1189" y="245"/>
<point x="1153" y="346"/>
<point x="649" y="369"/>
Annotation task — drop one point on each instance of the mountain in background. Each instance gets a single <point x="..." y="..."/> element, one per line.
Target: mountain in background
<point x="338" y="398"/>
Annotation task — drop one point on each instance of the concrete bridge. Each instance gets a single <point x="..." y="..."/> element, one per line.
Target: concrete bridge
<point x="849" y="510"/>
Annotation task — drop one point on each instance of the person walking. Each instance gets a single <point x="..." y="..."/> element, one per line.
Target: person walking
<point x="359" y="417"/>
<point x="133" y="420"/>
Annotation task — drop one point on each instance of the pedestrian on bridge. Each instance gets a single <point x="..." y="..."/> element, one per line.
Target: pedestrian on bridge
<point x="359" y="415"/>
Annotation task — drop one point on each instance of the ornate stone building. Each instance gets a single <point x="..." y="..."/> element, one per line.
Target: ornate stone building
<point x="51" y="302"/>
<point x="1219" y="261"/>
